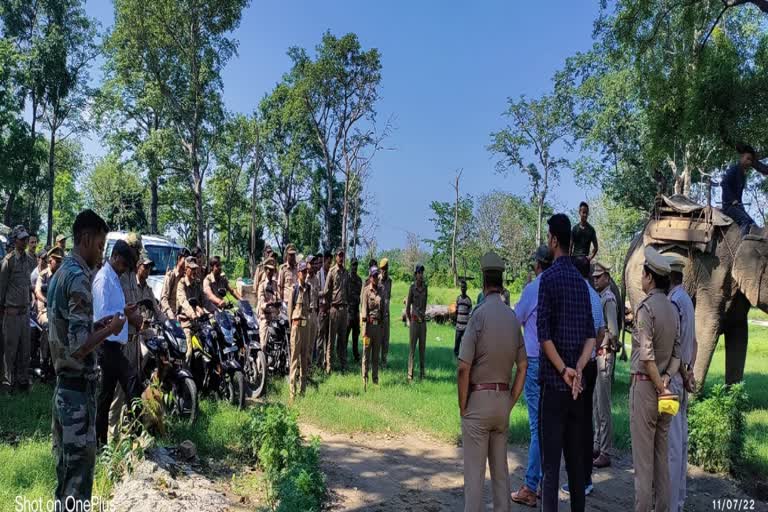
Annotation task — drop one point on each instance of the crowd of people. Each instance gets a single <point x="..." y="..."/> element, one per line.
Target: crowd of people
<point x="562" y="337"/>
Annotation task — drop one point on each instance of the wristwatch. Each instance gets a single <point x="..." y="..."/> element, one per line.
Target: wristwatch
<point x="562" y="372"/>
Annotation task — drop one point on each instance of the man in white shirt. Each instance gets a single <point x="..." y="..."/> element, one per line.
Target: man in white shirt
<point x="109" y="299"/>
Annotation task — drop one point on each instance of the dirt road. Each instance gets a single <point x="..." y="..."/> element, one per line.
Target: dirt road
<point x="407" y="473"/>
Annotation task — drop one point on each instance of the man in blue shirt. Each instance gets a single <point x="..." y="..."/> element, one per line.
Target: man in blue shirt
<point x="526" y="313"/>
<point x="733" y="186"/>
<point x="566" y="334"/>
<point x="109" y="299"/>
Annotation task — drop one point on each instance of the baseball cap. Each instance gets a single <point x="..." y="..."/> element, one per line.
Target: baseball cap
<point x="491" y="261"/>
<point x="191" y="262"/>
<point x="20" y="232"/>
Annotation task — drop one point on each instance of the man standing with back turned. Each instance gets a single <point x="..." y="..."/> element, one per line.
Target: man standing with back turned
<point x="567" y="335"/>
<point x="491" y="346"/>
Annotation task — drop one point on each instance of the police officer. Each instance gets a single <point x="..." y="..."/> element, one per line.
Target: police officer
<point x="682" y="383"/>
<point x="386" y="294"/>
<point x="54" y="256"/>
<point x="353" y="320"/>
<point x="416" y="311"/>
<point x="258" y="275"/>
<point x="15" y="289"/>
<point x="171" y="283"/>
<point x="187" y="292"/>
<point x="215" y="282"/>
<point x="655" y="349"/>
<point x="61" y="242"/>
<point x="491" y="346"/>
<point x="313" y="265"/>
<point x="336" y="294"/>
<point x="371" y="313"/>
<point x="73" y="337"/>
<point x="606" y="358"/>
<point x="268" y="299"/>
<point x="299" y="303"/>
<point x="288" y="274"/>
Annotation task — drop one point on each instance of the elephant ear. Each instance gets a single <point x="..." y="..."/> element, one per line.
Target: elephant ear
<point x="749" y="268"/>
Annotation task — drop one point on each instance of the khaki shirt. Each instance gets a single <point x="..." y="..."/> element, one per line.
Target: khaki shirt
<point x="371" y="306"/>
<point x="492" y="343"/>
<point x="286" y="278"/>
<point x="211" y="286"/>
<point x="417" y="300"/>
<point x="336" y="289"/>
<point x="15" y="285"/>
<point x="70" y="318"/>
<point x="267" y="295"/>
<point x="299" y="299"/>
<point x="386" y="294"/>
<point x="145" y="293"/>
<point x="43" y="280"/>
<point x="187" y="290"/>
<point x="314" y="281"/>
<point x="168" y="295"/>
<point x="129" y="284"/>
<point x="656" y="337"/>
<point x="610" y="314"/>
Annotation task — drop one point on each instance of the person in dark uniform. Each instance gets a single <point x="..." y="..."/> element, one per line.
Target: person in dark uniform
<point x="583" y="235"/>
<point x="353" y="320"/>
<point x="733" y="186"/>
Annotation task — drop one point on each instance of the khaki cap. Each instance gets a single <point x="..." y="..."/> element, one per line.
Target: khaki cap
<point x="600" y="269"/>
<point x="270" y="263"/>
<point x="290" y="249"/>
<point x="134" y="240"/>
<point x="56" y="253"/>
<point x="384" y="263"/>
<point x="60" y="238"/>
<point x="191" y="262"/>
<point x="491" y="261"/>
<point x="20" y="232"/>
<point x="656" y="262"/>
<point x="676" y="261"/>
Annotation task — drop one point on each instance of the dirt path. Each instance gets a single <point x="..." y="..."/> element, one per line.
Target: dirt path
<point x="409" y="473"/>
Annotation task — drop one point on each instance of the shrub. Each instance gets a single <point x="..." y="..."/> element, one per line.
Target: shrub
<point x="291" y="467"/>
<point x="716" y="426"/>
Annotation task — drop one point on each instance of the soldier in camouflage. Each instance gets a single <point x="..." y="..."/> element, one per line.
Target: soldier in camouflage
<point x="73" y="337"/>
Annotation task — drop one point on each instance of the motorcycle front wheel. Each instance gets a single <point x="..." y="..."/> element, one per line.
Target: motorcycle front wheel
<point x="185" y="399"/>
<point x="257" y="373"/>
<point x="235" y="383"/>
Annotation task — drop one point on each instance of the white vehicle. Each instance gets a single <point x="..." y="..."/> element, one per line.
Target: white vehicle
<point x="162" y="251"/>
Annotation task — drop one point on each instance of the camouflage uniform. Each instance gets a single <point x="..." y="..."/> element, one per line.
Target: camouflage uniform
<point x="70" y="317"/>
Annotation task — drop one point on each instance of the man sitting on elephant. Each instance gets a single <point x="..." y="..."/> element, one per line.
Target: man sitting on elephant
<point x="733" y="186"/>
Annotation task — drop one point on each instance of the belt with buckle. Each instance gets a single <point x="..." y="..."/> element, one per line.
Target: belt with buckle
<point x="640" y="376"/>
<point x="498" y="386"/>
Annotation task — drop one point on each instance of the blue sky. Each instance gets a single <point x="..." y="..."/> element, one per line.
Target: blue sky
<point x="448" y="68"/>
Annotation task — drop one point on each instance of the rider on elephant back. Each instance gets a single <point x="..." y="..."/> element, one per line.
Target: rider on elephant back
<point x="733" y="186"/>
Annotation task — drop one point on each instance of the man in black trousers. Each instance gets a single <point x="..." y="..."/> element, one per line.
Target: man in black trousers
<point x="567" y="334"/>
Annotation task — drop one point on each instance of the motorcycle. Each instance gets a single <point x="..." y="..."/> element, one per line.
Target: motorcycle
<point x="167" y="349"/>
<point x="278" y="351"/>
<point x="215" y="366"/>
<point x="253" y="359"/>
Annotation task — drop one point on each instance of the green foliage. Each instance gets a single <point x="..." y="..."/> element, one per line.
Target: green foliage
<point x="120" y="456"/>
<point x="291" y="467"/>
<point x="114" y="191"/>
<point x="616" y="226"/>
<point x="716" y="429"/>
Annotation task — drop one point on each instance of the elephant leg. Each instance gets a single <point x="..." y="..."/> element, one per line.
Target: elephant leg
<point x="707" y="334"/>
<point x="736" y="337"/>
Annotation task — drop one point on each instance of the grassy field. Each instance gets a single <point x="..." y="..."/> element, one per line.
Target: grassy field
<point x="338" y="403"/>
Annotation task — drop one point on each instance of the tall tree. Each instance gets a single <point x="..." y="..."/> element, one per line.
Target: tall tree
<point x="536" y="126"/>
<point x="338" y="89"/>
<point x="183" y="45"/>
<point x="115" y="191"/>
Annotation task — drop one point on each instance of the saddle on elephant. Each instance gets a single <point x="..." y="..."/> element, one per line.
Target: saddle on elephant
<point x="677" y="220"/>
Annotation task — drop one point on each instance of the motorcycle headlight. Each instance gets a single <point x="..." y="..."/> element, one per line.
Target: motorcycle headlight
<point x="181" y="342"/>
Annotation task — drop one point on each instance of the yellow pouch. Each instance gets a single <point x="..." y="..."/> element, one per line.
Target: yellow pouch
<point x="669" y="405"/>
<point x="366" y="341"/>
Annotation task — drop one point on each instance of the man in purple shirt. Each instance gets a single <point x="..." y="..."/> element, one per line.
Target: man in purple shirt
<point x="526" y="313"/>
<point x="566" y="334"/>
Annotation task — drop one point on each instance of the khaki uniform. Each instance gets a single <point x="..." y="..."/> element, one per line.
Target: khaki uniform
<point x="267" y="295"/>
<point x="386" y="295"/>
<point x="601" y="400"/>
<point x="70" y="316"/>
<point x="15" y="289"/>
<point x="314" y="308"/>
<point x="337" y="295"/>
<point x="258" y="276"/>
<point x="41" y="309"/>
<point x="212" y="285"/>
<point x="187" y="290"/>
<point x="168" y="295"/>
<point x="299" y="303"/>
<point x="492" y="344"/>
<point x="656" y="339"/>
<point x="286" y="278"/>
<point x="371" y="314"/>
<point x="416" y="307"/>
<point x="353" y="320"/>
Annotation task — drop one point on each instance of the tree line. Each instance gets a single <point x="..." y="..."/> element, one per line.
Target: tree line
<point x="295" y="169"/>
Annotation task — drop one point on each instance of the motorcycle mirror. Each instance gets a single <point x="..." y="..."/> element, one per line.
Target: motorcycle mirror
<point x="221" y="292"/>
<point x="194" y="303"/>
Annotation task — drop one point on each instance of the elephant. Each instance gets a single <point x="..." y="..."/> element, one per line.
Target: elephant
<point x="724" y="282"/>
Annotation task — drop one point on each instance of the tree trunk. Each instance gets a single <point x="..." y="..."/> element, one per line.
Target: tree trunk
<point x="328" y="206"/>
<point x="153" y="202"/>
<point x="199" y="215"/>
<point x="9" y="207"/>
<point x="229" y="232"/>
<point x="455" y="232"/>
<point x="356" y="223"/>
<point x="344" y="237"/>
<point x="252" y="256"/>
<point x="51" y="180"/>
<point x="540" y="210"/>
